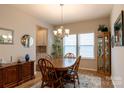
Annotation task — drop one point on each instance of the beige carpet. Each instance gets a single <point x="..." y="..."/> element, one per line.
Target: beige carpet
<point x="86" y="81"/>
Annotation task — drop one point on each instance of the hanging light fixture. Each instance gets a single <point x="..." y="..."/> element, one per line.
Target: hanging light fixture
<point x="61" y="32"/>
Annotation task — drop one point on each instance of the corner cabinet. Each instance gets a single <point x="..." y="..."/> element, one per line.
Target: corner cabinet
<point x="104" y="53"/>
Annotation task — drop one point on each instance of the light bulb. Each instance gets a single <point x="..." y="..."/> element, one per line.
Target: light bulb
<point x="9" y="36"/>
<point x="4" y="36"/>
<point x="59" y="31"/>
<point x="67" y="31"/>
<point x="55" y="32"/>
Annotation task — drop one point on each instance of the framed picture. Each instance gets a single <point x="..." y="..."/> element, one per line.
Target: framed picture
<point x="119" y="30"/>
<point x="6" y="36"/>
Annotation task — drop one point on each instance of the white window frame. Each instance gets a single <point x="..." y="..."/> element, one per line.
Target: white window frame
<point x="77" y="46"/>
<point x="93" y="46"/>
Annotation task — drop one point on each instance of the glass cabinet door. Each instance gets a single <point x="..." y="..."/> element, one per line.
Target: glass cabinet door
<point x="100" y="54"/>
<point x="107" y="54"/>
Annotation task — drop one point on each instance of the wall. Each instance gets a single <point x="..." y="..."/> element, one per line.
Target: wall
<point x="88" y="27"/>
<point x="117" y="52"/>
<point x="21" y="23"/>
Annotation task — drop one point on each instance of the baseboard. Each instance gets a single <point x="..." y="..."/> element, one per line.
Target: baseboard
<point x="35" y="73"/>
<point x="113" y="82"/>
<point x="88" y="69"/>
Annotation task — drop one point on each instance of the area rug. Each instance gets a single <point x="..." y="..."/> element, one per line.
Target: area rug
<point x="86" y="81"/>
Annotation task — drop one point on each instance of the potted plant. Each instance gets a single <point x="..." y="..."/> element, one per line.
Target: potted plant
<point x="103" y="28"/>
<point x="57" y="48"/>
<point x="1" y="39"/>
<point x="117" y="27"/>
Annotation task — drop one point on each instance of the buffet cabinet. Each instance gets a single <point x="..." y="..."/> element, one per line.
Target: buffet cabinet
<point x="14" y="74"/>
<point x="1" y="78"/>
<point x="104" y="53"/>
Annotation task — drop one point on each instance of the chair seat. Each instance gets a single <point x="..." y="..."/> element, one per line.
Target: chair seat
<point x="72" y="72"/>
<point x="68" y="76"/>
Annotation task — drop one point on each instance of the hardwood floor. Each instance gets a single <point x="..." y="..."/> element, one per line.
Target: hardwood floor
<point x="105" y="81"/>
<point x="31" y="82"/>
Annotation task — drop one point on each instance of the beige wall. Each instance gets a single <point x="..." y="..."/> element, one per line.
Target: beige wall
<point x="117" y="52"/>
<point x="88" y="27"/>
<point x="21" y="23"/>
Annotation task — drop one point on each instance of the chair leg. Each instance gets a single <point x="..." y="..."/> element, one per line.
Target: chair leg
<point x="78" y="79"/>
<point x="74" y="80"/>
<point x="62" y="86"/>
<point x="52" y="86"/>
<point x="74" y="83"/>
<point x="42" y="84"/>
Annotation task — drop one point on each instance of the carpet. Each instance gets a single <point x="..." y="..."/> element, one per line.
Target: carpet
<point x="86" y="81"/>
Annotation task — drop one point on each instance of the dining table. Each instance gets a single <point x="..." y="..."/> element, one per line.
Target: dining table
<point x="63" y="64"/>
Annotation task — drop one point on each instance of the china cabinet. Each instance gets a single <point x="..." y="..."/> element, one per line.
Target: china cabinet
<point x="104" y="53"/>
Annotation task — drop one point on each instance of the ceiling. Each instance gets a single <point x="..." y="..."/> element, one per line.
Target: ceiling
<point x="51" y="13"/>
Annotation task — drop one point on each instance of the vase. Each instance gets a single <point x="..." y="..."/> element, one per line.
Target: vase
<point x="27" y="57"/>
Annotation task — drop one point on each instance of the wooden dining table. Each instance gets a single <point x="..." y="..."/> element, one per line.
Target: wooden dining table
<point x="62" y="64"/>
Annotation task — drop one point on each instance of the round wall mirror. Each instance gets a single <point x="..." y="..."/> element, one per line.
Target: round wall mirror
<point x="27" y="41"/>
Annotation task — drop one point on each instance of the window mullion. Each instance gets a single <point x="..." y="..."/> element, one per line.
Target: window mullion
<point x="77" y="46"/>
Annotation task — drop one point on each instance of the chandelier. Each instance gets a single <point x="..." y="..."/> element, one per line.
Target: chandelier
<point x="61" y="32"/>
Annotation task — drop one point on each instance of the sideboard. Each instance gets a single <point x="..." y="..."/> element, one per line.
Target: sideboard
<point x="14" y="74"/>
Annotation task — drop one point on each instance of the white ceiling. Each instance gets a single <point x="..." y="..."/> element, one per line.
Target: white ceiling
<point x="51" y="13"/>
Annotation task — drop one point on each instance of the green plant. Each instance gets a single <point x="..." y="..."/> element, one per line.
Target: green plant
<point x="103" y="28"/>
<point x="117" y="27"/>
<point x="57" y="47"/>
<point x="1" y="39"/>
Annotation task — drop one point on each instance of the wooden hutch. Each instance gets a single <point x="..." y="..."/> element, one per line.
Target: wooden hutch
<point x="104" y="53"/>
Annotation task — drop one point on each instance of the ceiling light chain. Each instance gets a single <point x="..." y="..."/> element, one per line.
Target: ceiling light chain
<point x="62" y="12"/>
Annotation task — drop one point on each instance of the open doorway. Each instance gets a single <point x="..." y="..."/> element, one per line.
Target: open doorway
<point x="41" y="43"/>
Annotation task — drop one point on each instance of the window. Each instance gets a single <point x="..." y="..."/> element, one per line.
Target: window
<point x="84" y="44"/>
<point x="69" y="44"/>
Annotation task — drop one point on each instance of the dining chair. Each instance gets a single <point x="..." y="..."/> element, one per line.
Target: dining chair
<point x="49" y="75"/>
<point x="47" y="56"/>
<point x="72" y="74"/>
<point x="69" y="55"/>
